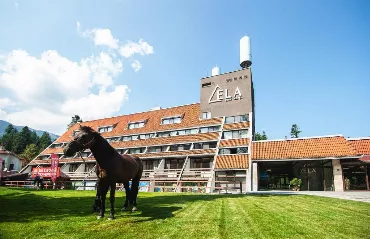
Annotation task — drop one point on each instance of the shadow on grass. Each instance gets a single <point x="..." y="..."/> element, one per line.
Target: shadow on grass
<point x="24" y="205"/>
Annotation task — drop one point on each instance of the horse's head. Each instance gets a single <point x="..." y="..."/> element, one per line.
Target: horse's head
<point x="83" y="139"/>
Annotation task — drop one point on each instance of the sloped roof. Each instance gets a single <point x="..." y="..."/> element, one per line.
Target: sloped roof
<point x="310" y="148"/>
<point x="361" y="145"/>
<point x="239" y="161"/>
<point x="190" y="113"/>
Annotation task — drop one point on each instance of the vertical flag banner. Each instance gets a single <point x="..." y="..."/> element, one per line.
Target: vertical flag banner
<point x="54" y="167"/>
<point x="1" y="166"/>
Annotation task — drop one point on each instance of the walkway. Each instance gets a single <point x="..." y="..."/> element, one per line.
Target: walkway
<point x="363" y="196"/>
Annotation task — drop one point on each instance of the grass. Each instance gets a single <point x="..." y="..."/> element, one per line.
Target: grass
<point x="25" y="213"/>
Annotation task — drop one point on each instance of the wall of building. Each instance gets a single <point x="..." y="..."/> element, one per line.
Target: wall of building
<point x="11" y="159"/>
<point x="220" y="94"/>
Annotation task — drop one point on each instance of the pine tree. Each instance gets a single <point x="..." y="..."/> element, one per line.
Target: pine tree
<point x="294" y="131"/>
<point x="75" y="119"/>
<point x="8" y="139"/>
<point x="45" y="141"/>
<point x="30" y="153"/>
<point x="259" y="136"/>
<point x="22" y="140"/>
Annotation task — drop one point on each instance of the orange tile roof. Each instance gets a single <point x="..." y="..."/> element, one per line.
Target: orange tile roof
<point x="190" y="113"/>
<point x="237" y="125"/>
<point x="234" y="142"/>
<point x="315" y="147"/>
<point x="146" y="155"/>
<point x="361" y="145"/>
<point x="239" y="161"/>
<point x="153" y="141"/>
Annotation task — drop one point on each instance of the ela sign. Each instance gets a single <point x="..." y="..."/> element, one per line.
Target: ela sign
<point x="219" y="95"/>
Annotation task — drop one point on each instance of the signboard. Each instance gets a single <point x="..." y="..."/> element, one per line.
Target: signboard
<point x="1" y="166"/>
<point x="219" y="95"/>
<point x="54" y="166"/>
<point x="46" y="172"/>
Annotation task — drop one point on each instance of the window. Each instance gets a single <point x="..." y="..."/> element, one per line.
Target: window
<point x="75" y="132"/>
<point x="235" y="134"/>
<point x="206" y="145"/>
<point x="179" y="147"/>
<point x="209" y="129"/>
<point x="157" y="149"/>
<point x="121" y="151"/>
<point x="136" y="150"/>
<point x="236" y="119"/>
<point x="164" y="134"/>
<point x="146" y="136"/>
<point x="11" y="166"/>
<point x="172" y="120"/>
<point x="206" y="115"/>
<point x="134" y="125"/>
<point x="239" y="150"/>
<point x="206" y="84"/>
<point x="105" y="129"/>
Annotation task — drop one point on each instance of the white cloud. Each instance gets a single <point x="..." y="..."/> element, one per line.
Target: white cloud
<point x="100" y="36"/>
<point x="47" y="86"/>
<point x="136" y="65"/>
<point x="16" y="5"/>
<point x="46" y="90"/>
<point x="4" y="102"/>
<point x="131" y="48"/>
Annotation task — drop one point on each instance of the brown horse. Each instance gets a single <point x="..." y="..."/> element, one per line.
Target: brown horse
<point x="112" y="168"/>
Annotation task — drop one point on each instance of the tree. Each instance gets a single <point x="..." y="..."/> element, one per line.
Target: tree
<point x="30" y="153"/>
<point x="259" y="136"/>
<point x="75" y="119"/>
<point x="45" y="141"/>
<point x="294" y="131"/>
<point x="22" y="140"/>
<point x="8" y="139"/>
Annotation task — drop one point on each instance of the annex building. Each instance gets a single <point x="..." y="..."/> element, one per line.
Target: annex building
<point x="208" y="146"/>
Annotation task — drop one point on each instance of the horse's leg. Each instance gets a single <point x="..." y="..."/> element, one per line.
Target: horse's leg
<point x="103" y="185"/>
<point x="128" y="195"/>
<point x="134" y="192"/>
<point x="111" y="199"/>
<point x="97" y="201"/>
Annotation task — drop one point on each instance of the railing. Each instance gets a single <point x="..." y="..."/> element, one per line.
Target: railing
<point x="145" y="186"/>
<point x="74" y="175"/>
<point x="148" y="173"/>
<point x="167" y="173"/>
<point x="205" y="173"/>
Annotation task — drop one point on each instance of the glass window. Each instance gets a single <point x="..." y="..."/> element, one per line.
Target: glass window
<point x="229" y="120"/>
<point x="244" y="118"/>
<point x="204" y="130"/>
<point x="224" y="151"/>
<point x="198" y="146"/>
<point x="206" y="115"/>
<point x="228" y="135"/>
<point x="235" y="134"/>
<point x="173" y="133"/>
<point x="243" y="133"/>
<point x="194" y="131"/>
<point x="165" y="121"/>
<point x="135" y="137"/>
<point x="242" y="150"/>
<point x="181" y="132"/>
<point x="177" y="120"/>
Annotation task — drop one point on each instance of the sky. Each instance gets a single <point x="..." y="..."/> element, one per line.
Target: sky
<point x="97" y="59"/>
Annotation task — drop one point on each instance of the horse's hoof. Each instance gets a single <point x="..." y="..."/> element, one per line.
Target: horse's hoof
<point x="134" y="209"/>
<point x="99" y="217"/>
<point x="111" y="218"/>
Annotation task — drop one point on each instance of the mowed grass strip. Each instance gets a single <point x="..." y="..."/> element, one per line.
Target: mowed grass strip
<point x="26" y="213"/>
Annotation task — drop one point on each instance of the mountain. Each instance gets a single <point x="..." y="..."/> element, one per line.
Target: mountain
<point x="4" y="124"/>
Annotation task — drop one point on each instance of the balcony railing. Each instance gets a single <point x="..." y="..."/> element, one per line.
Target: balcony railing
<point x="196" y="173"/>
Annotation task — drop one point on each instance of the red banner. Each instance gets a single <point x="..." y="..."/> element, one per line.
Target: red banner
<point x="46" y="172"/>
<point x="54" y="166"/>
<point x="1" y="166"/>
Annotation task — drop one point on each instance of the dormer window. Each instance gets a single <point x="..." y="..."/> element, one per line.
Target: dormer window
<point x="134" y="125"/>
<point x="104" y="129"/>
<point x="172" y="120"/>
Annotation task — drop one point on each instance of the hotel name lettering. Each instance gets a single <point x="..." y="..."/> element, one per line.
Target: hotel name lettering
<point x="219" y="95"/>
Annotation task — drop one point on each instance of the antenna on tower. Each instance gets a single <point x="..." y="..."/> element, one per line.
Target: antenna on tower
<point x="245" y="52"/>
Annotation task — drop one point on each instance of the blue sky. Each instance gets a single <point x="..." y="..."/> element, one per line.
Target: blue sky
<point x="311" y="59"/>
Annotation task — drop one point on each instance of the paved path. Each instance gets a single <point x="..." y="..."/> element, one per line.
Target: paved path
<point x="363" y="196"/>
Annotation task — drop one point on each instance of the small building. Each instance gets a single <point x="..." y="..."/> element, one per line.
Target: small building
<point x="12" y="163"/>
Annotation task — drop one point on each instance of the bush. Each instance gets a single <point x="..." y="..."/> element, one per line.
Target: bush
<point x="296" y="183"/>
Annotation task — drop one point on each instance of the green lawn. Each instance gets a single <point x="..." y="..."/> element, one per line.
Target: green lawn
<point x="66" y="214"/>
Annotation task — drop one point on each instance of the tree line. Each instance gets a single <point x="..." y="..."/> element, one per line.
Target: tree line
<point x="294" y="133"/>
<point x="25" y="143"/>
